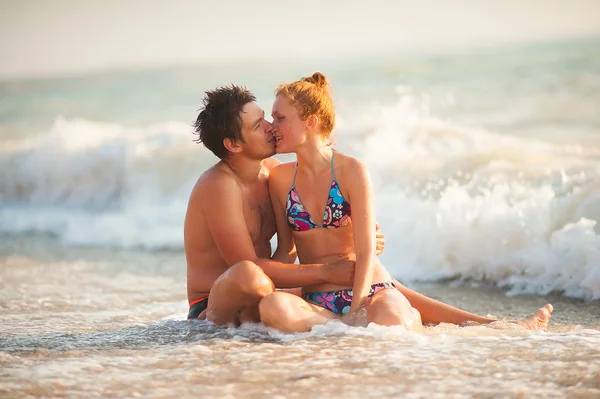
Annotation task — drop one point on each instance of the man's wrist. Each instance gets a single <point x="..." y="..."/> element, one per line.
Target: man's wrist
<point x="322" y="272"/>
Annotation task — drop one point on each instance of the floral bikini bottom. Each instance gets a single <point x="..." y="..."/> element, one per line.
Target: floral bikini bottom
<point x="339" y="301"/>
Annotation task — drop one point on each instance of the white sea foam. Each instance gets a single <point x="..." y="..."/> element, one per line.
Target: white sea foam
<point x="453" y="201"/>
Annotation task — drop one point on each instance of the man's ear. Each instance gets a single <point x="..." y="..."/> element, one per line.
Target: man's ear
<point x="232" y="145"/>
<point x="312" y="121"/>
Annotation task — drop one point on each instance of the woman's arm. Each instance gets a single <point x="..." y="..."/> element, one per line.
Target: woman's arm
<point x="286" y="248"/>
<point x="360" y="196"/>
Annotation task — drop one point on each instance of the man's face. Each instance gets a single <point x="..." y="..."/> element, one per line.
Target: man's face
<point x="257" y="133"/>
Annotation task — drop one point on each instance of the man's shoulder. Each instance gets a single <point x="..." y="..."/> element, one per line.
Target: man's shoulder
<point x="214" y="181"/>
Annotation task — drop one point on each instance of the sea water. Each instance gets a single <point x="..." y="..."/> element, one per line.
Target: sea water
<point x="486" y="167"/>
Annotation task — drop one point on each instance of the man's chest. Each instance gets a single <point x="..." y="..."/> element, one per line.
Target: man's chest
<point x="258" y="213"/>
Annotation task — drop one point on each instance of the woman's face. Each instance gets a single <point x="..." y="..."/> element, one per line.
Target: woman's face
<point x="289" y="130"/>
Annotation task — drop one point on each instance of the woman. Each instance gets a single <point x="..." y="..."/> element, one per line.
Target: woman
<point x="322" y="179"/>
<point x="336" y="186"/>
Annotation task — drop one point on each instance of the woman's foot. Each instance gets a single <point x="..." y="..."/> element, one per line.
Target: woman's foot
<point x="538" y="320"/>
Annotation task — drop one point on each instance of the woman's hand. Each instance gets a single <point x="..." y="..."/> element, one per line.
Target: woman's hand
<point x="356" y="318"/>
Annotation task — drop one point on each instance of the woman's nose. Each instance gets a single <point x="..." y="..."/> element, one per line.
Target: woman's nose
<point x="269" y="128"/>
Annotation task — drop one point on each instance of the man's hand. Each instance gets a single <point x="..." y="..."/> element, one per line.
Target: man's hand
<point x="340" y="272"/>
<point x="379" y="240"/>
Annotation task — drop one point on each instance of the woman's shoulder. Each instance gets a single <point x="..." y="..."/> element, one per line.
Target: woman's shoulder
<point x="282" y="168"/>
<point x="271" y="162"/>
<point x="351" y="174"/>
<point x="282" y="172"/>
<point x="349" y="165"/>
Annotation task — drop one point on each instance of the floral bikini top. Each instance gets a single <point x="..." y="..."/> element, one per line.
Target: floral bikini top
<point x="337" y="210"/>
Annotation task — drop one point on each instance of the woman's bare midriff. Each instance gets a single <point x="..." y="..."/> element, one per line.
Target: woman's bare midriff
<point x="319" y="245"/>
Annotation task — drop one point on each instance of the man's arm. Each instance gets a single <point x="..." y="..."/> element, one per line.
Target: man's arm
<point x="223" y="210"/>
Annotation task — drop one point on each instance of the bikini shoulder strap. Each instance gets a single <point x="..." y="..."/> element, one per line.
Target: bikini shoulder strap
<point x="295" y="173"/>
<point x="332" y="169"/>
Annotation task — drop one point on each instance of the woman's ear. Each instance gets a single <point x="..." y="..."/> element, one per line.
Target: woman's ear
<point x="312" y="121"/>
<point x="232" y="145"/>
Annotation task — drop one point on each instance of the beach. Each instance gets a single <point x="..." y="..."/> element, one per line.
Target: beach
<point x="487" y="165"/>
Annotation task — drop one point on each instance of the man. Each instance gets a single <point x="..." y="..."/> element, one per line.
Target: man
<point x="229" y="224"/>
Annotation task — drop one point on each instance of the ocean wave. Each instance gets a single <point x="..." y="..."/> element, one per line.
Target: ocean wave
<point x="453" y="201"/>
<point x="91" y="165"/>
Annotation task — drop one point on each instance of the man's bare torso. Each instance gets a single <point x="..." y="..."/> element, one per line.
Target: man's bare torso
<point x="205" y="263"/>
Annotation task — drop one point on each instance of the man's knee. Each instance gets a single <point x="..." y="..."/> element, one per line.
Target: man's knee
<point x="250" y="278"/>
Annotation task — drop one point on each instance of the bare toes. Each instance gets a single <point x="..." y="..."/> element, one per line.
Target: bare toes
<point x="538" y="320"/>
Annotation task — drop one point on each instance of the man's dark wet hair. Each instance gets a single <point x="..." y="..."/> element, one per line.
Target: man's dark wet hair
<point x="220" y="117"/>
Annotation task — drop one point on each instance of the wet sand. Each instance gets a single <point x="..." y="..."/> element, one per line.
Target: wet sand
<point x="486" y="299"/>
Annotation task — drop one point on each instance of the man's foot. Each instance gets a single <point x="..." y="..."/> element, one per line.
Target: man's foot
<point x="538" y="320"/>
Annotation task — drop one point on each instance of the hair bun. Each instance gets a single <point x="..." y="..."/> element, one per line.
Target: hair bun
<point x="317" y="79"/>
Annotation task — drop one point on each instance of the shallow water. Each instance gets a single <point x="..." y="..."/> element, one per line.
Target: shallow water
<point x="103" y="323"/>
<point x="197" y="359"/>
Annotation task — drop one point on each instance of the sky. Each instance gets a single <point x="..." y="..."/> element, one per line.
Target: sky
<point x="60" y="37"/>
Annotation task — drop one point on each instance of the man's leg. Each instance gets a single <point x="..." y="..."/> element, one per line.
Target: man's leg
<point x="235" y="295"/>
<point x="290" y="313"/>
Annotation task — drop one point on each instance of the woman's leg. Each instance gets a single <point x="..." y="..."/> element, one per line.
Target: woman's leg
<point x="290" y="313"/>
<point x="389" y="307"/>
<point x="436" y="312"/>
